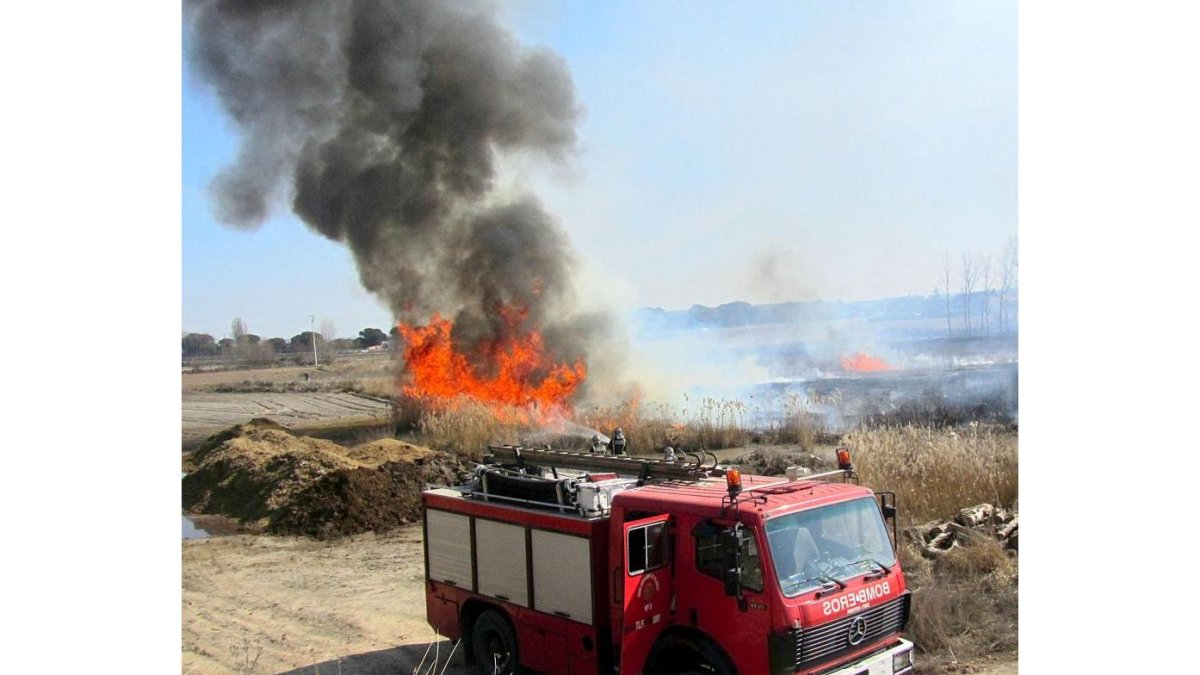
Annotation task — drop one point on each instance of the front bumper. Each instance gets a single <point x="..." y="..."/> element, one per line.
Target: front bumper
<point x="879" y="663"/>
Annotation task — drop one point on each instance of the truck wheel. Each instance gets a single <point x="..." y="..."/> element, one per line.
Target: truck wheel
<point x="494" y="644"/>
<point x="705" y="668"/>
<point x="678" y="654"/>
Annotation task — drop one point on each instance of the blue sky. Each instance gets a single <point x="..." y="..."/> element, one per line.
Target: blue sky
<point x="761" y="152"/>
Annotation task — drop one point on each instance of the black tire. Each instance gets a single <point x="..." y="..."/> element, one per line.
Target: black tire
<point x="494" y="644"/>
<point x="682" y="654"/>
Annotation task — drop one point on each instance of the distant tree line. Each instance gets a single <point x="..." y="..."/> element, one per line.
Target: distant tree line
<point x="246" y="346"/>
<point x="987" y="290"/>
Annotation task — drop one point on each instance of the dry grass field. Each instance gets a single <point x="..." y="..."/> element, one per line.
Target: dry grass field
<point x="369" y="370"/>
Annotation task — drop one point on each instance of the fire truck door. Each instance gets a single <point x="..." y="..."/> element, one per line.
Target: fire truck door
<point x="649" y="589"/>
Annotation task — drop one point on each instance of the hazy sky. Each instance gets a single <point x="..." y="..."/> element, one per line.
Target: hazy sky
<point x="760" y="152"/>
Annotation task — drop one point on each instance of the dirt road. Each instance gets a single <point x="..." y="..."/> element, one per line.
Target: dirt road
<point x="275" y="604"/>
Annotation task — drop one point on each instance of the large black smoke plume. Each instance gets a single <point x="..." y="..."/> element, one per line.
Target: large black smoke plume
<point x="382" y="122"/>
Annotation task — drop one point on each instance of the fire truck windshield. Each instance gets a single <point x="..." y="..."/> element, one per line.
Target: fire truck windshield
<point x="838" y="541"/>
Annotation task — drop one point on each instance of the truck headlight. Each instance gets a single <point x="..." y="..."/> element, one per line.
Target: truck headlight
<point x="902" y="661"/>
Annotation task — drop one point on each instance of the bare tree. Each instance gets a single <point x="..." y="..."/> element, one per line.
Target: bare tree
<point x="946" y="271"/>
<point x="985" y="271"/>
<point x="1008" y="281"/>
<point x="968" y="286"/>
<point x="328" y="333"/>
<point x="238" y="332"/>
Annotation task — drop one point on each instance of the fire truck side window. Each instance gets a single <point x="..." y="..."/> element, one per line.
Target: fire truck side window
<point x="708" y="559"/>
<point x="647" y="548"/>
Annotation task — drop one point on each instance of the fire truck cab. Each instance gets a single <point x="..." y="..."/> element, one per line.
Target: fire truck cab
<point x="639" y="566"/>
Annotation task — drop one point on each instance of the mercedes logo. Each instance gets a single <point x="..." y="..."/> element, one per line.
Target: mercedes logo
<point x="858" y="630"/>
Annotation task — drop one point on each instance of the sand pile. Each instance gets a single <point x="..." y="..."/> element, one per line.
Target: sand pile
<point x="263" y="475"/>
<point x="387" y="450"/>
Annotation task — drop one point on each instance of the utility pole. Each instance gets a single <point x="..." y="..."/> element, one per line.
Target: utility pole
<point x="312" y="334"/>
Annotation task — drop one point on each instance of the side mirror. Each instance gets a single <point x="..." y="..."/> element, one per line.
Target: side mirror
<point x="731" y="557"/>
<point x="733" y="582"/>
<point x="887" y="508"/>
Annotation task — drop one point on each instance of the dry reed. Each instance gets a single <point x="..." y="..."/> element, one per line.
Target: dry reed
<point x="936" y="472"/>
<point x="708" y="423"/>
<point x="466" y="428"/>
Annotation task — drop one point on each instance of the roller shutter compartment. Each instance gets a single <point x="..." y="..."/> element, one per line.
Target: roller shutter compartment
<point x="500" y="554"/>
<point x="562" y="575"/>
<point x="448" y="537"/>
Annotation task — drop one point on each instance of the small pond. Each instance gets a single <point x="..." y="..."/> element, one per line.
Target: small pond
<point x="190" y="531"/>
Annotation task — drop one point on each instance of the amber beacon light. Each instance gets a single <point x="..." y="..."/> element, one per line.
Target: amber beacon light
<point x="843" y="459"/>
<point x="733" y="479"/>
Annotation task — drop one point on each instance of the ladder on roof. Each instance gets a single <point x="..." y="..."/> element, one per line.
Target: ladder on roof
<point x="642" y="467"/>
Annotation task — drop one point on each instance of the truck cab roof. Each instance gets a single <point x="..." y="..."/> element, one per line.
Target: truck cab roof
<point x="709" y="497"/>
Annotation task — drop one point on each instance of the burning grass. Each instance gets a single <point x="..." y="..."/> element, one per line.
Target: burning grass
<point x="523" y="382"/>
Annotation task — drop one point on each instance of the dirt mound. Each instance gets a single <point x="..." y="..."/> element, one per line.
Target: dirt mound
<point x="366" y="499"/>
<point x="387" y="450"/>
<point x="218" y="439"/>
<point x="250" y="470"/>
<point x="263" y="475"/>
<point x="765" y="462"/>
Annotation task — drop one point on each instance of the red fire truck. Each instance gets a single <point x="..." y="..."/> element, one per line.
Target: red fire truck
<point x="571" y="563"/>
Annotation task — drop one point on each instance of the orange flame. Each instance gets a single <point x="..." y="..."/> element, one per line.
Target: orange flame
<point x="863" y="363"/>
<point x="527" y="384"/>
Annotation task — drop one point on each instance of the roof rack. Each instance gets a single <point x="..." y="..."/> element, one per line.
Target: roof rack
<point x="642" y="467"/>
<point x="844" y="474"/>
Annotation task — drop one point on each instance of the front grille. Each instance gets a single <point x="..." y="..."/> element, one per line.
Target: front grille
<point x="828" y="641"/>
